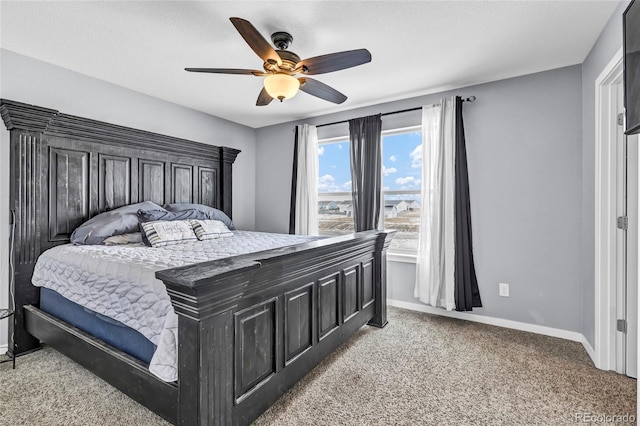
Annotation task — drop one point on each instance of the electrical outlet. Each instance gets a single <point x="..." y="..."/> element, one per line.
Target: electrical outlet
<point x="503" y="289"/>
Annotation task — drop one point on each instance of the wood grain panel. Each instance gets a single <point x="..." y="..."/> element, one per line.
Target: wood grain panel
<point x="68" y="192"/>
<point x="181" y="183"/>
<point x="151" y="181"/>
<point x="328" y="303"/>
<point x="27" y="172"/>
<point x="208" y="186"/>
<point x="255" y="352"/>
<point x="368" y="294"/>
<point x="350" y="292"/>
<point x="114" y="181"/>
<point x="298" y="322"/>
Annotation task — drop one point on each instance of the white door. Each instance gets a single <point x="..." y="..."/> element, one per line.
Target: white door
<point x="626" y="249"/>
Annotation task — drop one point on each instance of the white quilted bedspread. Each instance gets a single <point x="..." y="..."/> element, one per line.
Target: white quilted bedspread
<point x="120" y="282"/>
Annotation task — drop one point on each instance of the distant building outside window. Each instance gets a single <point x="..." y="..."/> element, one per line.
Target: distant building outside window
<point x="401" y="180"/>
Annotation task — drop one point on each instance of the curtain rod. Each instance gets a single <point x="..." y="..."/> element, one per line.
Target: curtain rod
<point x="469" y="99"/>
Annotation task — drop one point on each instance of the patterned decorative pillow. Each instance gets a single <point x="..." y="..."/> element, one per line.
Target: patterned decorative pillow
<point x="163" y="215"/>
<point x="163" y="233"/>
<point x="210" y="229"/>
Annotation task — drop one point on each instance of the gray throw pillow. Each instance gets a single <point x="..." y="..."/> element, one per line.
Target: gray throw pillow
<point x="210" y="212"/>
<point x="166" y="216"/>
<point x="123" y="220"/>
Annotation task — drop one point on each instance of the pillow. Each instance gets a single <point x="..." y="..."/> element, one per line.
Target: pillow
<point x="118" y="240"/>
<point x="210" y="212"/>
<point x="122" y="220"/>
<point x="163" y="233"/>
<point x="210" y="229"/>
<point x="162" y="214"/>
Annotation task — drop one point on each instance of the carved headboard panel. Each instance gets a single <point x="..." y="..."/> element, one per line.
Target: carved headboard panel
<point x="66" y="169"/>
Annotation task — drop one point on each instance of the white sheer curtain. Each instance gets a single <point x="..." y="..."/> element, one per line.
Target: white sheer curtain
<point x="306" y="206"/>
<point x="435" y="278"/>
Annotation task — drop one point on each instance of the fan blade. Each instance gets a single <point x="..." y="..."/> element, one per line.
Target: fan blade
<point x="255" y="40"/>
<point x="321" y="90"/>
<point x="227" y="71"/>
<point x="334" y="61"/>
<point x="263" y="98"/>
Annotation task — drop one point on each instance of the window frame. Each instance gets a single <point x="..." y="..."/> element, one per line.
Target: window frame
<point x="334" y="196"/>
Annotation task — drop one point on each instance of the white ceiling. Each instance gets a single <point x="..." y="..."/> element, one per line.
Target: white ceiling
<point x="418" y="47"/>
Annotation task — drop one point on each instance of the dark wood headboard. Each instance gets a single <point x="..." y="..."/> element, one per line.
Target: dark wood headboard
<point x="66" y="169"/>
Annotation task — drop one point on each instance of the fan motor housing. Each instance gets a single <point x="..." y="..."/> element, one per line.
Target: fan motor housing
<point x="282" y="40"/>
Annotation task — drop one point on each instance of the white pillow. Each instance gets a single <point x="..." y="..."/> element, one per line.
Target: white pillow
<point x="162" y="233"/>
<point x="210" y="229"/>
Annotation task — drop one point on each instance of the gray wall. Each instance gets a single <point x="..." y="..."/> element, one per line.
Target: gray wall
<point x="31" y="81"/>
<point x="609" y="42"/>
<point x="524" y="151"/>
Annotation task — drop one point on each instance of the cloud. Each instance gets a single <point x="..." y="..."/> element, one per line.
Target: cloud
<point x="408" y="181"/>
<point x="326" y="179"/>
<point x="327" y="183"/>
<point x="339" y="146"/>
<point x="416" y="157"/>
<point x="388" y="171"/>
<point x="347" y="186"/>
<point x="320" y="150"/>
<point x="393" y="158"/>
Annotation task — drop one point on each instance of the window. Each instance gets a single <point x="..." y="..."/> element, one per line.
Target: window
<point x="335" y="214"/>
<point x="401" y="180"/>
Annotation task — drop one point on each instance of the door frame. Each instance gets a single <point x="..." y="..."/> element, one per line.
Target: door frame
<point x="605" y="213"/>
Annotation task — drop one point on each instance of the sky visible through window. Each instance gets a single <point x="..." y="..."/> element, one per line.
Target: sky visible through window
<point x="402" y="167"/>
<point x="402" y="161"/>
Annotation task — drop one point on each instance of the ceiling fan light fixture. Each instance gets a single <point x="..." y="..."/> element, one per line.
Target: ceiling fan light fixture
<point x="281" y="86"/>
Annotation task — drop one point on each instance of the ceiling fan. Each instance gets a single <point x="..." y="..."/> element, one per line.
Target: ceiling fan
<point x="281" y="66"/>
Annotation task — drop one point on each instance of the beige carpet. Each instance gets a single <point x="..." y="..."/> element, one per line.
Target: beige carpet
<point x="420" y="369"/>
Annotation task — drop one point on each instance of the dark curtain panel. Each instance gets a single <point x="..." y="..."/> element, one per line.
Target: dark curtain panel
<point x="294" y="181"/>
<point x="366" y="170"/>
<point x="467" y="295"/>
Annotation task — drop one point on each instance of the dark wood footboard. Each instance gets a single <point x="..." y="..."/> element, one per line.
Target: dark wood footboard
<point x="251" y="326"/>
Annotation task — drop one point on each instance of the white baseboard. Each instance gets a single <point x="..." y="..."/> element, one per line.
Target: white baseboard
<point x="590" y="351"/>
<point x="516" y="325"/>
<point x="4" y="349"/>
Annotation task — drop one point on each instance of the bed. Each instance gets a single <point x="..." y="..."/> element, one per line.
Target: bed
<point x="249" y="326"/>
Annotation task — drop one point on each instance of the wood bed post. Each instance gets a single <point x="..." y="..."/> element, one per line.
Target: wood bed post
<point x="227" y="157"/>
<point x="28" y="159"/>
<point x="380" y="280"/>
<point x="205" y="393"/>
<point x="205" y="349"/>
